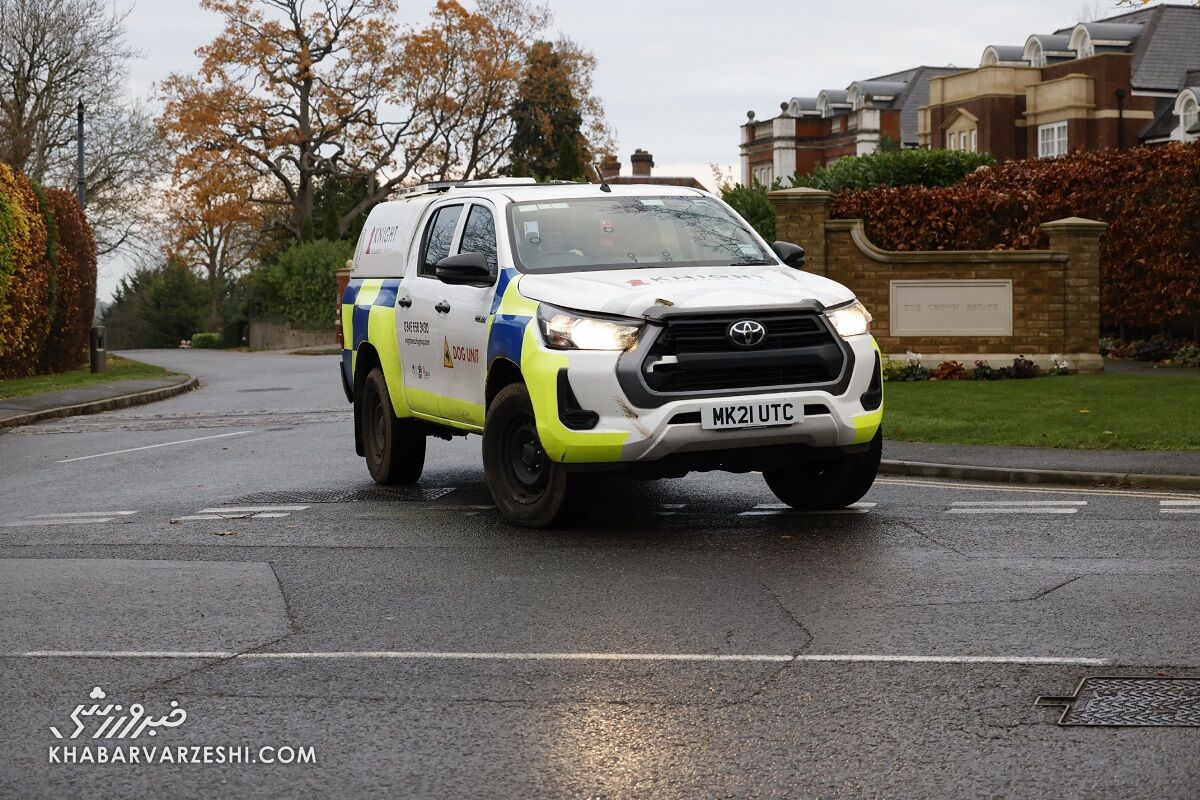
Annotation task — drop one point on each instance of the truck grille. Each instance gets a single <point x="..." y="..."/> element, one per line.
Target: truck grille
<point x="708" y="335"/>
<point x="799" y="349"/>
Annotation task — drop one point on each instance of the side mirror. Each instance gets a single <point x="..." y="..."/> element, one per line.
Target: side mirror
<point x="790" y="254"/>
<point x="465" y="269"/>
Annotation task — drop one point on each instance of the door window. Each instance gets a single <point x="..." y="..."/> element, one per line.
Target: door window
<point x="479" y="234"/>
<point x="439" y="235"/>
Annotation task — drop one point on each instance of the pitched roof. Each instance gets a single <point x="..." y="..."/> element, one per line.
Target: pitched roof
<point x="1165" y="121"/>
<point x="915" y="95"/>
<point x="1168" y="49"/>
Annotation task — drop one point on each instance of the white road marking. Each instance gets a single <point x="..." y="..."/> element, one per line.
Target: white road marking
<point x="72" y="521"/>
<point x="1180" y="510"/>
<point x="1179" y="502"/>
<point x="780" y="509"/>
<point x="152" y="446"/>
<point x="426" y="655"/>
<point x="992" y="487"/>
<point x="1016" y="510"/>
<point x="1007" y="503"/>
<point x="83" y="514"/>
<point x="248" y="509"/>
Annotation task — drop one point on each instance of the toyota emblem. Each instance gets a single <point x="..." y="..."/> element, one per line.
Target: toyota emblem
<point x="746" y="333"/>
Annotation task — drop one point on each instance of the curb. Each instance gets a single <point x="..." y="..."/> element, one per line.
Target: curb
<point x="107" y="404"/>
<point x="1124" y="480"/>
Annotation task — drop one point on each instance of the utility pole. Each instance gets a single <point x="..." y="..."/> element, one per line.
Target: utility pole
<point x="80" y="183"/>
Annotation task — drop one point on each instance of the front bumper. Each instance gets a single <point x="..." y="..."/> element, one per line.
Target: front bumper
<point x="624" y="432"/>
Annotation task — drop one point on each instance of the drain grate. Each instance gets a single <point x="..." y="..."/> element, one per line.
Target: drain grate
<point x="397" y="493"/>
<point x="1156" y="702"/>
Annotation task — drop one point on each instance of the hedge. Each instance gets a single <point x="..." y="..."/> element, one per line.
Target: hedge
<point x="75" y="284"/>
<point x="24" y="277"/>
<point x="895" y="168"/>
<point x="1150" y="198"/>
<point x="47" y="278"/>
<point x="299" y="283"/>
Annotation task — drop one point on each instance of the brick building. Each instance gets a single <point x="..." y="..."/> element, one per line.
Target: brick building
<point x="1129" y="79"/>
<point x="811" y="131"/>
<point x="1117" y="82"/>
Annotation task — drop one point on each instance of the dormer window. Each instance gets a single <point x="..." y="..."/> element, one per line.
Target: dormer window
<point x="1034" y="53"/>
<point x="1189" y="112"/>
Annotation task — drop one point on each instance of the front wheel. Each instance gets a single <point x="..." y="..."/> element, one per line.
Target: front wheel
<point x="529" y="489"/>
<point x="394" y="448"/>
<point x="828" y="484"/>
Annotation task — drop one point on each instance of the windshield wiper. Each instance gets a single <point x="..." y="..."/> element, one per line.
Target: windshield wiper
<point x="751" y="262"/>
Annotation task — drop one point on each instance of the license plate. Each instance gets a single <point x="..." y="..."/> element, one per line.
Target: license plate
<point x="751" y="415"/>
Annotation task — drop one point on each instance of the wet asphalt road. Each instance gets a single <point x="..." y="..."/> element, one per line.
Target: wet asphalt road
<point x="422" y="648"/>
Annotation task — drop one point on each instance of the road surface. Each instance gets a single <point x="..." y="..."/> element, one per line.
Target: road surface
<point x="226" y="551"/>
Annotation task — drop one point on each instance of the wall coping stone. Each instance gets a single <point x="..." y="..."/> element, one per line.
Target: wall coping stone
<point x="858" y="235"/>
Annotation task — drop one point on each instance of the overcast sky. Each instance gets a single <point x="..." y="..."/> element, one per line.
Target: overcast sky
<point x="677" y="76"/>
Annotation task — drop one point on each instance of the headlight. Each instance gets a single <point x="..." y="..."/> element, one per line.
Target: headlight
<point x="564" y="330"/>
<point x="850" y="320"/>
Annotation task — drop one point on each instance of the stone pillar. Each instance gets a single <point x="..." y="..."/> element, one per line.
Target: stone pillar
<point x="1080" y="240"/>
<point x="800" y="216"/>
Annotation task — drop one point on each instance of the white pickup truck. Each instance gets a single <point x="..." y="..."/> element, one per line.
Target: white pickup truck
<point x="583" y="328"/>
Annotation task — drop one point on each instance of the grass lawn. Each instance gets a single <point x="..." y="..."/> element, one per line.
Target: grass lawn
<point x="1096" y="412"/>
<point x="118" y="369"/>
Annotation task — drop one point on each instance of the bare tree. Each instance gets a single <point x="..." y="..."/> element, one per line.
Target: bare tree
<point x="54" y="53"/>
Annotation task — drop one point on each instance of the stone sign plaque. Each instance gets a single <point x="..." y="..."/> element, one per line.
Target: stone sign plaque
<point x="951" y="308"/>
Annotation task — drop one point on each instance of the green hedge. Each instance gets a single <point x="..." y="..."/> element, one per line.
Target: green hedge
<point x="300" y="285"/>
<point x="209" y="340"/>
<point x="895" y="168"/>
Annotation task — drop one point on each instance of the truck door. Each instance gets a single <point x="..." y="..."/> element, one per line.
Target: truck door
<point x="464" y="313"/>
<point x="419" y="323"/>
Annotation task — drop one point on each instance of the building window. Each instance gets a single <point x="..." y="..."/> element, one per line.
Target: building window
<point x="1052" y="140"/>
<point x="953" y="145"/>
<point x="1188" y="114"/>
<point x="974" y="140"/>
<point x="764" y="175"/>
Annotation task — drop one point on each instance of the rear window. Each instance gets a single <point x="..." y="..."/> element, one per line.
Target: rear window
<point x="629" y="232"/>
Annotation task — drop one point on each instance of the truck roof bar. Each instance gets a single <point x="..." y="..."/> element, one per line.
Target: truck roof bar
<point x="445" y="186"/>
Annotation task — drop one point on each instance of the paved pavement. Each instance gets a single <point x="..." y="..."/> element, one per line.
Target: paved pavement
<point x="88" y="399"/>
<point x="1146" y="462"/>
<point x="692" y="639"/>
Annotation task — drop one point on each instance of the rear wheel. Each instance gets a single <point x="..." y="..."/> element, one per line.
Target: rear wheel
<point x="394" y="448"/>
<point x="827" y="484"/>
<point x="530" y="490"/>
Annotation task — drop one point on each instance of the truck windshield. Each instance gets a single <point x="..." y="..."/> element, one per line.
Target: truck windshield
<point x="629" y="232"/>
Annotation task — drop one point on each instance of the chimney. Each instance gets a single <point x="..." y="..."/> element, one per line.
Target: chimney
<point x="610" y="166"/>
<point x="642" y="162"/>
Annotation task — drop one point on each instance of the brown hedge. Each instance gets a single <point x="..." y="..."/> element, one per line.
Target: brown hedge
<point x="75" y="283"/>
<point x="1150" y="197"/>
<point x="24" y="277"/>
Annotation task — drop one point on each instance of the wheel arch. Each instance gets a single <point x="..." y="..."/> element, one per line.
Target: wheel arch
<point x="366" y="358"/>
<point x="502" y="372"/>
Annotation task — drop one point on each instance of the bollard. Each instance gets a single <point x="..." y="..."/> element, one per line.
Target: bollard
<point x="97" y="351"/>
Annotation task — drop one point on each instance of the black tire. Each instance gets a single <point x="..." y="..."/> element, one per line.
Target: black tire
<point x="823" y="485"/>
<point x="529" y="489"/>
<point x="394" y="448"/>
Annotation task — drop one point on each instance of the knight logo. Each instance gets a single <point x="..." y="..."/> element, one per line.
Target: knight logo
<point x="380" y="240"/>
<point x="452" y="353"/>
<point x="119" y="722"/>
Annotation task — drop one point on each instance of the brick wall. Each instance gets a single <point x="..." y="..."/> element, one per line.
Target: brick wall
<point x="1055" y="292"/>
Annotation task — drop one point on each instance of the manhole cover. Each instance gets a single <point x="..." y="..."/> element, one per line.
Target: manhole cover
<point x="1130" y="701"/>
<point x="397" y="493"/>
